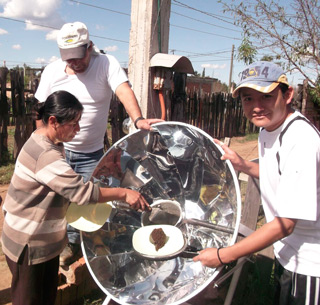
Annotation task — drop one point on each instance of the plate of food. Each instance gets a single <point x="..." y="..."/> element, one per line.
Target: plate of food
<point x="158" y="242"/>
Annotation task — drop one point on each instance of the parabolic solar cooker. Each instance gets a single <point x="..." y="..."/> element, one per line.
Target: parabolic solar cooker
<point x="176" y="167"/>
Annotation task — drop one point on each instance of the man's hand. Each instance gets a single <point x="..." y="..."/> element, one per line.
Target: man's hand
<point x="208" y="257"/>
<point x="136" y="200"/>
<point x="231" y="155"/>
<point x="248" y="167"/>
<point x="146" y="123"/>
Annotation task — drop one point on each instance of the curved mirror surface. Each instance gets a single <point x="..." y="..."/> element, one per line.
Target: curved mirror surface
<point x="173" y="162"/>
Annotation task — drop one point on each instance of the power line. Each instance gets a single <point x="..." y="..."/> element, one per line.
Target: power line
<point x="54" y="28"/>
<point x="211" y="60"/>
<point x="191" y="54"/>
<point x="202" y="54"/>
<point x="209" y="54"/>
<point x="29" y="22"/>
<point x="100" y="7"/>
<point x="218" y="26"/>
<point x="205" y="13"/>
<point x="185" y="28"/>
<point x="14" y="63"/>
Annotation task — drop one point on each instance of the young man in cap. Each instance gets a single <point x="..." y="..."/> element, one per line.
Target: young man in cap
<point x="289" y="173"/>
<point x="92" y="77"/>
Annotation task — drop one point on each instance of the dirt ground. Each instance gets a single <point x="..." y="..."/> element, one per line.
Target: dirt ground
<point x="248" y="150"/>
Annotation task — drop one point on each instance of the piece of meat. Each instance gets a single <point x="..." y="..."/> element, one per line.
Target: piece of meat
<point x="158" y="238"/>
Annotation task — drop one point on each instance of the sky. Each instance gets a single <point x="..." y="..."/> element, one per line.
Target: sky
<point x="199" y="29"/>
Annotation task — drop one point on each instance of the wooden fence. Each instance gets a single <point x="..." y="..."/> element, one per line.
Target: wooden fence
<point x="218" y="114"/>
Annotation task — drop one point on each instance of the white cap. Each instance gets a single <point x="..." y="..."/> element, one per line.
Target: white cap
<point x="73" y="39"/>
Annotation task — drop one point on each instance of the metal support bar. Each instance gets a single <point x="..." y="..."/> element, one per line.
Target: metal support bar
<point x="239" y="264"/>
<point x="244" y="230"/>
<point x="107" y="300"/>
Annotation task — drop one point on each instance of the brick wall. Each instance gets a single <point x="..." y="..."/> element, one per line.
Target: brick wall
<point x="76" y="282"/>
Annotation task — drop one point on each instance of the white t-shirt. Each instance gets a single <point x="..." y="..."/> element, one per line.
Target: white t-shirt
<point x="94" y="90"/>
<point x="295" y="193"/>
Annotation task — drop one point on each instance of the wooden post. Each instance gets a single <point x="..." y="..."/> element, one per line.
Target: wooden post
<point x="248" y="218"/>
<point x="149" y="35"/>
<point x="231" y="68"/>
<point x="264" y="259"/>
<point x="4" y="111"/>
<point x="304" y="97"/>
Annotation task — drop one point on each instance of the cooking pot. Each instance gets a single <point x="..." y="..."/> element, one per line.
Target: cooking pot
<point x="169" y="212"/>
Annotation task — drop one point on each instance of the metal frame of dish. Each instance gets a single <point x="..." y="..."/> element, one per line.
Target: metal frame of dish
<point x="173" y="161"/>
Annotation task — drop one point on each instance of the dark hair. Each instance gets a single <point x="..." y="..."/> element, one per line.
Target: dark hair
<point x="283" y="87"/>
<point x="61" y="104"/>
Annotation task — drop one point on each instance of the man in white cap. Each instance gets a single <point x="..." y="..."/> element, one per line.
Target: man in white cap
<point x="289" y="173"/>
<point x="92" y="77"/>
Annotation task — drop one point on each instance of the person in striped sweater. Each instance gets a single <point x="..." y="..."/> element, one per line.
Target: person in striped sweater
<point x="42" y="186"/>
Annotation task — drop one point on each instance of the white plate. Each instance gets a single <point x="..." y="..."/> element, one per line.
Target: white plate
<point x="144" y="247"/>
<point x="88" y="218"/>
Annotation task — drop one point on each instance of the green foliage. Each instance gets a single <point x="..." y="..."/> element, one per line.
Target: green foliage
<point x="314" y="92"/>
<point x="288" y="31"/>
<point x="246" y="52"/>
<point x="6" y="171"/>
<point x="96" y="297"/>
<point x="315" y="95"/>
<point x="7" y="163"/>
<point x="224" y="87"/>
<point x="251" y="137"/>
<point x="267" y="58"/>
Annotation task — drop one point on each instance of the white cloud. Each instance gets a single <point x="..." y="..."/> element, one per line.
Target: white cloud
<point x="2" y="31"/>
<point x="32" y="27"/>
<point x="110" y="49"/>
<point x="40" y="60"/>
<point x="52" y="35"/>
<point x="16" y="47"/>
<point x="99" y="27"/>
<point x="53" y="58"/>
<point x="43" y="61"/>
<point x="33" y="9"/>
<point x="34" y="12"/>
<point x="216" y="67"/>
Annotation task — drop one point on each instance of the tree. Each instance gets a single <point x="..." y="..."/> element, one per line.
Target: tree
<point x="291" y="33"/>
<point x="246" y="51"/>
<point x="267" y="58"/>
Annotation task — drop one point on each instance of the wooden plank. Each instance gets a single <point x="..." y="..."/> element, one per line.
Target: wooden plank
<point x="248" y="218"/>
<point x="251" y="204"/>
<point x="264" y="259"/>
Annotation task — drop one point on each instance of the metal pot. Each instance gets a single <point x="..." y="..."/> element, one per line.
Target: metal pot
<point x="169" y="212"/>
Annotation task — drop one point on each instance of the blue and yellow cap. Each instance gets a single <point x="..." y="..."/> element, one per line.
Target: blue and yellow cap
<point x="263" y="76"/>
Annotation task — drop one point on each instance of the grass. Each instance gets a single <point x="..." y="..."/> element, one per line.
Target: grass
<point x="6" y="172"/>
<point x="7" y="162"/>
<point x="249" y="137"/>
<point x="96" y="297"/>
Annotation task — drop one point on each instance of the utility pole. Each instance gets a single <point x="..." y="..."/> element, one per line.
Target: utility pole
<point x="149" y="35"/>
<point x="231" y="68"/>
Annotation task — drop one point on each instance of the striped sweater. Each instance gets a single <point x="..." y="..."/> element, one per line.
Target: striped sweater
<point x="41" y="188"/>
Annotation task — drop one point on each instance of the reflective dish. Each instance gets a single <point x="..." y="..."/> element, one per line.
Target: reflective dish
<point x="174" y="162"/>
